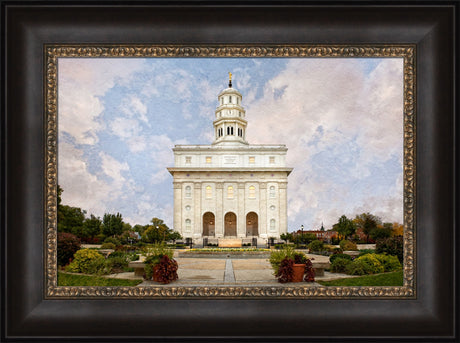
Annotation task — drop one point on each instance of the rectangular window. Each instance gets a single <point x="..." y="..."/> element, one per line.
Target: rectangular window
<point x="208" y="192"/>
<point x="188" y="159"/>
<point x="208" y="159"/>
<point x="272" y="159"/>
<point x="252" y="192"/>
<point x="252" y="159"/>
<point x="230" y="192"/>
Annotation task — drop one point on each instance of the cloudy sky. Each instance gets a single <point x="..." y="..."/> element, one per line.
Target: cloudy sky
<point x="341" y="119"/>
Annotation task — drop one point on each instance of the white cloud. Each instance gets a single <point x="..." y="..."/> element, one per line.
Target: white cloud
<point x="81" y="83"/>
<point x="79" y="185"/>
<point x="113" y="168"/>
<point x="331" y="114"/>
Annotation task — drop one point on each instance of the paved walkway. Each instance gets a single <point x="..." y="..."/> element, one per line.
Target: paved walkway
<point x="230" y="272"/>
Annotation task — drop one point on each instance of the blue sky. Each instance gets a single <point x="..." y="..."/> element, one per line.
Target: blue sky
<point x="341" y="120"/>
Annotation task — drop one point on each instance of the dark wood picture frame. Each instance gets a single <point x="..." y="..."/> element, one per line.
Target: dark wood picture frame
<point x="28" y="27"/>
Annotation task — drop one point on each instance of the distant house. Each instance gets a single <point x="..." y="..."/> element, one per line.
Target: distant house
<point x="325" y="236"/>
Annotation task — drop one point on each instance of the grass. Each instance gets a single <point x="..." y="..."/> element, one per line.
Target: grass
<point x="385" y="279"/>
<point x="85" y="280"/>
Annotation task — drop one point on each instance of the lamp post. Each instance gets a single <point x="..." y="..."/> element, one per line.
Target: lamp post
<point x="301" y="229"/>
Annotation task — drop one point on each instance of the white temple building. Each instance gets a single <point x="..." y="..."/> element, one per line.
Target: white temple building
<point x="230" y="188"/>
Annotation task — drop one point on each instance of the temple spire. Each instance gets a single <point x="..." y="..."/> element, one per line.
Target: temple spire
<point x="230" y="123"/>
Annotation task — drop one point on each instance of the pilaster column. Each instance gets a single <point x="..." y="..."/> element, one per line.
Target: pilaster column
<point x="219" y="228"/>
<point x="241" y="220"/>
<point x="282" y="193"/>
<point x="177" y="218"/>
<point x="197" y="225"/>
<point x="263" y="210"/>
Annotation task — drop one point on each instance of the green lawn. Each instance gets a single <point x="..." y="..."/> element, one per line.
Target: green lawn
<point x="85" y="280"/>
<point x="385" y="279"/>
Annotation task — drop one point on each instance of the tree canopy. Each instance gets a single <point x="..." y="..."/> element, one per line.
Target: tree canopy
<point x="345" y="227"/>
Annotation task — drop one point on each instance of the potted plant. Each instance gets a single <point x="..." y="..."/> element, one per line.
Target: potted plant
<point x="291" y="266"/>
<point x="160" y="265"/>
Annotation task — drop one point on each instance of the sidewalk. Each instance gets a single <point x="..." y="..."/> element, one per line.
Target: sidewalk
<point x="229" y="272"/>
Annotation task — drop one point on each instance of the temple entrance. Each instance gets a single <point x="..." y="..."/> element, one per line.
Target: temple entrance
<point x="252" y="224"/>
<point x="209" y="223"/>
<point x="230" y="224"/>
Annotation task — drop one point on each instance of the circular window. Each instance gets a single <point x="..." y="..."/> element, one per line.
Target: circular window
<point x="187" y="208"/>
<point x="272" y="207"/>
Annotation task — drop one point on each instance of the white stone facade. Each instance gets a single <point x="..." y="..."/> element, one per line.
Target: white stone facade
<point x="230" y="188"/>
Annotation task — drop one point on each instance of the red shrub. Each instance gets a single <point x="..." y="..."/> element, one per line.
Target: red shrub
<point x="67" y="245"/>
<point x="166" y="270"/>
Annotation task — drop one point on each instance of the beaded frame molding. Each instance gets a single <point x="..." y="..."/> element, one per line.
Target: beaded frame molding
<point x="53" y="52"/>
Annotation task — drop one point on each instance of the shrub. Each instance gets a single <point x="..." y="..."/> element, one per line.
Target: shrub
<point x="373" y="262"/>
<point x="390" y="263"/>
<point x="165" y="271"/>
<point x="116" y="264"/>
<point x="316" y="245"/>
<point x="309" y="272"/>
<point x="285" y="272"/>
<point x="88" y="261"/>
<point x="391" y="246"/>
<point x="348" y="245"/>
<point x="154" y="255"/>
<point x="359" y="267"/>
<point x="279" y="255"/>
<point x="338" y="256"/>
<point x="300" y="258"/>
<point x="67" y="246"/>
<point x="113" y="240"/>
<point x="108" y="245"/>
<point x="340" y="265"/>
<point x="366" y="251"/>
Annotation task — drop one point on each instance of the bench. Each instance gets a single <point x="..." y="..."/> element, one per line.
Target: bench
<point x="319" y="267"/>
<point x="138" y="267"/>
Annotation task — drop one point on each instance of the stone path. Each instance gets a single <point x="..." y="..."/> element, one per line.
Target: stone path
<point x="231" y="272"/>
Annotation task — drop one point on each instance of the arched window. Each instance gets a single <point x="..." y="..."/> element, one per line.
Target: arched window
<point x="252" y="192"/>
<point x="231" y="130"/>
<point x="272" y="224"/>
<point x="230" y="99"/>
<point x="188" y="225"/>
<point x="188" y="192"/>
<point x="272" y="192"/>
<point x="208" y="192"/>
<point x="228" y="130"/>
<point x="230" y="192"/>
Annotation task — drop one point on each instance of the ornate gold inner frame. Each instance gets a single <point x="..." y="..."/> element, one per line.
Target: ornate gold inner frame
<point x="54" y="52"/>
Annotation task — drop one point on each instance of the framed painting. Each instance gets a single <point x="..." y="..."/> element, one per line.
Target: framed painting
<point x="140" y="116"/>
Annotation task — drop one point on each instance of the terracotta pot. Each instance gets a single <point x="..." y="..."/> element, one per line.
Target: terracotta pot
<point x="299" y="271"/>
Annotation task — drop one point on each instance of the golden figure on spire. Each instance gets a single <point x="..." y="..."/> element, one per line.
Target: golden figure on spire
<point x="230" y="79"/>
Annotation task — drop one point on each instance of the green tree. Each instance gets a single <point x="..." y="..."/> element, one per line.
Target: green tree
<point x="70" y="219"/>
<point x="381" y="231"/>
<point x="174" y="236"/>
<point x="112" y="224"/>
<point x="304" y="238"/>
<point x="140" y="228"/>
<point x="92" y="226"/>
<point x="367" y="222"/>
<point x="344" y="227"/>
<point x="157" y="232"/>
<point x="287" y="236"/>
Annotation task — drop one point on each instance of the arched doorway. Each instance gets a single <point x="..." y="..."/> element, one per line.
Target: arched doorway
<point x="230" y="224"/>
<point x="252" y="224"/>
<point x="209" y="223"/>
